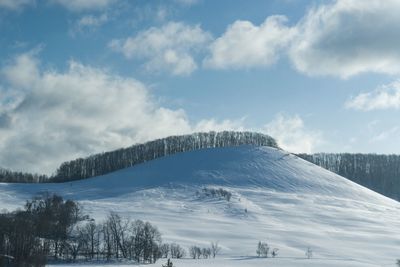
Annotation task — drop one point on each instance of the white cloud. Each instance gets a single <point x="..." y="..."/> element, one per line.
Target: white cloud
<point x="245" y="45"/>
<point x="15" y="4"/>
<point x="392" y="133"/>
<point x="348" y="37"/>
<point x="340" y="38"/>
<point x="187" y="2"/>
<point x="384" y="97"/>
<point x="88" y="23"/>
<point x="83" y="5"/>
<point x="214" y="125"/>
<point x="48" y="116"/>
<point x="169" y="48"/>
<point x="92" y="21"/>
<point x="292" y="135"/>
<point x="24" y="72"/>
<point x="343" y="38"/>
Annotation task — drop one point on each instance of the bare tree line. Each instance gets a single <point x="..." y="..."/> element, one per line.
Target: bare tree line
<point x="115" y="238"/>
<point x="196" y="252"/>
<point x="50" y="228"/>
<point x="8" y="176"/>
<point x="380" y="173"/>
<point x="107" y="162"/>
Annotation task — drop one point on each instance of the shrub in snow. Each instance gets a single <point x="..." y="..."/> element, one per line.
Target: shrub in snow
<point x="274" y="252"/>
<point x="168" y="264"/>
<point x="220" y="193"/>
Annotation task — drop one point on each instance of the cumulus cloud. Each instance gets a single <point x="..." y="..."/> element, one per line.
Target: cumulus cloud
<point x="48" y="116"/>
<point x="348" y="37"/>
<point x="15" y="4"/>
<point x="245" y="45"/>
<point x="342" y="38"/>
<point x="292" y="135"/>
<point x="83" y="5"/>
<point x="169" y="48"/>
<point x="384" y="97"/>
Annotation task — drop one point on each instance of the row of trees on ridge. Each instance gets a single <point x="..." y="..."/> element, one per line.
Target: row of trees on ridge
<point x="100" y="164"/>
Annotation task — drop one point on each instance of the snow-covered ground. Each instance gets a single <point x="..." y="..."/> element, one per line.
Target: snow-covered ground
<point x="291" y="204"/>
<point x="246" y="262"/>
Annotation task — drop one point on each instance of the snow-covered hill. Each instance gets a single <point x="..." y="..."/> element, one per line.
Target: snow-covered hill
<point x="276" y="197"/>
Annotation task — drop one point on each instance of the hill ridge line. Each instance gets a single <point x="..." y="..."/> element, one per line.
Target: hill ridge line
<point x="106" y="162"/>
<point x="103" y="163"/>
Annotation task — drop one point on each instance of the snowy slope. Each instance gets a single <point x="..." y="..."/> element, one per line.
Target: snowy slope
<point x="290" y="203"/>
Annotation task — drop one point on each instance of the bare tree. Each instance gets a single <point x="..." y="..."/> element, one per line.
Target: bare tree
<point x="215" y="249"/>
<point x="73" y="245"/>
<point x="164" y="250"/>
<point x="195" y="252"/>
<point x="206" y="252"/>
<point x="309" y="253"/>
<point x="258" y="251"/>
<point x="192" y="252"/>
<point x="89" y="239"/>
<point x="118" y="228"/>
<point x="91" y="230"/>
<point x="177" y="251"/>
<point x="107" y="241"/>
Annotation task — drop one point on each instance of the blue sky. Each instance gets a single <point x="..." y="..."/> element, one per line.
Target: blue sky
<point x="84" y="76"/>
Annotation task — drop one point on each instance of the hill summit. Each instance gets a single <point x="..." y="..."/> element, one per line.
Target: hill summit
<point x="103" y="163"/>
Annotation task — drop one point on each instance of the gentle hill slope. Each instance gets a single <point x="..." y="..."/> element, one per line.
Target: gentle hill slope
<point x="290" y="203"/>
